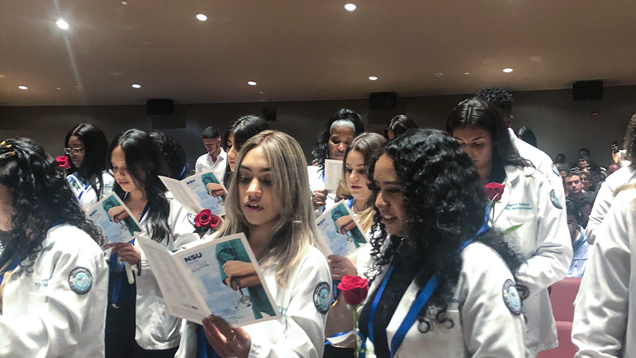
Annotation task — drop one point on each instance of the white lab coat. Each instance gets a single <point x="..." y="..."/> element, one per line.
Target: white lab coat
<point x="85" y="193"/>
<point x="42" y="316"/>
<point x="483" y="326"/>
<point x="605" y="307"/>
<point x="544" y="240"/>
<point x="300" y="332"/>
<point x="541" y="161"/>
<point x="605" y="197"/>
<point x="316" y="182"/>
<point x="156" y="328"/>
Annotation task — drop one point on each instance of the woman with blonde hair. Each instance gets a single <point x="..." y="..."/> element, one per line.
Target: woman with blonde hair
<point x="354" y="174"/>
<point x="268" y="200"/>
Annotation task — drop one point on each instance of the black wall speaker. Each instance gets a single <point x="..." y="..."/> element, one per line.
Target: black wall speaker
<point x="587" y="90"/>
<point x="159" y="106"/>
<point x="382" y="100"/>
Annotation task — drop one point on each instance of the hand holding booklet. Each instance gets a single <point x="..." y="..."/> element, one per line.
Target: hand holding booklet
<point x="198" y="192"/>
<point x="219" y="276"/>
<point x="338" y="231"/>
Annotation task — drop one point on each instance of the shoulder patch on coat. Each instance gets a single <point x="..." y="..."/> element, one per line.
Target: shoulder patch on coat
<point x="80" y="280"/>
<point x="555" y="200"/>
<point x="511" y="297"/>
<point x="322" y="297"/>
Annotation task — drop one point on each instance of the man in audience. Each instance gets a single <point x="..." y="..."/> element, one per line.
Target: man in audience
<point x="585" y="208"/>
<point x="574" y="187"/>
<point x="579" y="244"/>
<point x="502" y="100"/>
<point x="584" y="152"/>
<point x="215" y="159"/>
<point x="625" y="175"/>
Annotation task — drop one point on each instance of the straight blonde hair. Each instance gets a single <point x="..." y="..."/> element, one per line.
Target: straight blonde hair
<point x="294" y="229"/>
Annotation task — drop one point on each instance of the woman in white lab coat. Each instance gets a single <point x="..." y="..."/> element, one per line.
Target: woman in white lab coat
<point x="138" y="323"/>
<point x="87" y="147"/>
<point x="54" y="275"/>
<point x="442" y="283"/>
<point x="605" y="307"/>
<point x="354" y="174"/>
<point x="528" y="200"/>
<point x="333" y="141"/>
<point x="268" y="200"/>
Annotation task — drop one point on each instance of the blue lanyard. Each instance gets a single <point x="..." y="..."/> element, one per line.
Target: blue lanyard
<point x="11" y="266"/>
<point x="202" y="345"/>
<point x="419" y="302"/>
<point x="350" y="203"/>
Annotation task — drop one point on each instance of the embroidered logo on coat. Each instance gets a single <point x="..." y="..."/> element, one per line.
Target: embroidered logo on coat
<point x="511" y="297"/>
<point x="555" y="200"/>
<point x="80" y="280"/>
<point x="322" y="297"/>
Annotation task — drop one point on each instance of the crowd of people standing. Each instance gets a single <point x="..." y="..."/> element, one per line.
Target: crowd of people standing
<point x="452" y="272"/>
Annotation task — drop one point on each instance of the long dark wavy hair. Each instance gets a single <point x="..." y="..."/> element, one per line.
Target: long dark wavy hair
<point x="475" y="112"/>
<point x="41" y="198"/>
<point x="145" y="164"/>
<point x="399" y="125"/>
<point x="321" y="150"/>
<point x="173" y="153"/>
<point x="95" y="152"/>
<point x="445" y="205"/>
<point x="629" y="141"/>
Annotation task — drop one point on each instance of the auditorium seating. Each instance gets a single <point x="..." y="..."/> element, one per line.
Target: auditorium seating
<point x="562" y="298"/>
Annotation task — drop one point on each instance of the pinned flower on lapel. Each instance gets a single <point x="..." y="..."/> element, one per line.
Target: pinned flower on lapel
<point x="354" y="289"/>
<point x="494" y="193"/>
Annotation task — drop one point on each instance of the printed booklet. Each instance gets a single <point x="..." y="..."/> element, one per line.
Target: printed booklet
<point x="195" y="281"/>
<point x="339" y="231"/>
<point x="117" y="222"/>
<point x="333" y="174"/>
<point x="197" y="192"/>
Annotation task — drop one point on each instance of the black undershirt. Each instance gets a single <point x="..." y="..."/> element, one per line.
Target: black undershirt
<point x="403" y="274"/>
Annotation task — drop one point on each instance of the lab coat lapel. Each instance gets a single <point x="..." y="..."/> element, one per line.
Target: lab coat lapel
<point x="512" y="175"/>
<point x="401" y="311"/>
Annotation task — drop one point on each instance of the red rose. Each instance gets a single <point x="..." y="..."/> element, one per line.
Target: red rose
<point x="354" y="289"/>
<point x="62" y="161"/>
<point x="494" y="191"/>
<point x="206" y="220"/>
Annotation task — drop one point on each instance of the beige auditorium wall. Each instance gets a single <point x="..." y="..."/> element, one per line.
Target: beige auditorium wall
<point x="560" y="124"/>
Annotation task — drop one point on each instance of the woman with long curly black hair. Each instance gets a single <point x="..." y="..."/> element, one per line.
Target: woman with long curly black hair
<point x="333" y="141"/>
<point x="430" y="206"/>
<point x="529" y="202"/>
<point x="87" y="147"/>
<point x="138" y="323"/>
<point x="54" y="277"/>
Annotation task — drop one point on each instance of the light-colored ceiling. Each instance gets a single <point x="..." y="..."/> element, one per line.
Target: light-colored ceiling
<point x="301" y="49"/>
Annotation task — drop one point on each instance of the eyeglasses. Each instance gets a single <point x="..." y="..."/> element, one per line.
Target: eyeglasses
<point x="70" y="151"/>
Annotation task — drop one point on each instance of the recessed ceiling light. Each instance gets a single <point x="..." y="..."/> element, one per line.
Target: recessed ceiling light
<point x="23" y="87"/>
<point x="350" y="7"/>
<point x="136" y="85"/>
<point x="201" y="17"/>
<point x="251" y="83"/>
<point x="62" y="24"/>
<point x="124" y="2"/>
<point x="260" y="92"/>
<point x="467" y="73"/>
<point x="373" y="78"/>
<point x="79" y="87"/>
<point x="58" y="89"/>
<point x="439" y="74"/>
<point x="507" y="70"/>
<point x="2" y="76"/>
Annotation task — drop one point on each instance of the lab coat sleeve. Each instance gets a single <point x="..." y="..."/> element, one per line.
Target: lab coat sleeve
<point x="553" y="255"/>
<point x="57" y="325"/>
<point x="304" y="334"/>
<point x="490" y="329"/>
<point x="601" y="306"/>
<point x="602" y="204"/>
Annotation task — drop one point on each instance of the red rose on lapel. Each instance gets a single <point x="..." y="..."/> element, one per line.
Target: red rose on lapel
<point x="62" y="161"/>
<point x="494" y="191"/>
